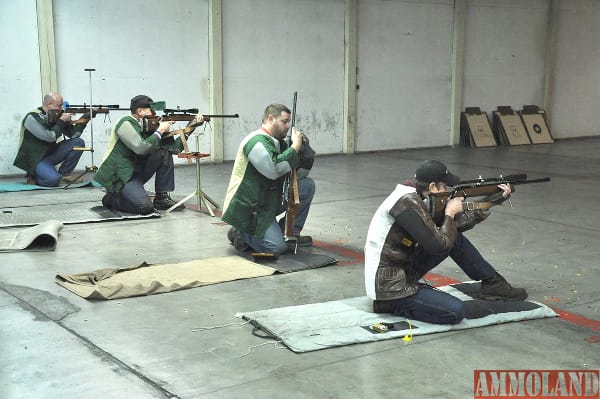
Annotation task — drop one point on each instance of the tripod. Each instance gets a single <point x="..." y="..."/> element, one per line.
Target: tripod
<point x="200" y="195"/>
<point x="92" y="168"/>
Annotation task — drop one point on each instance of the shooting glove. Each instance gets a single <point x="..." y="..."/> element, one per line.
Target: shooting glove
<point x="496" y="198"/>
<point x="306" y="152"/>
<point x="467" y="220"/>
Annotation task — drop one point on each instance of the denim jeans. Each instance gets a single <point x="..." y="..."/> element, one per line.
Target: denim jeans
<point x="434" y="306"/>
<point x="133" y="197"/>
<point x="273" y="241"/>
<point x="46" y="174"/>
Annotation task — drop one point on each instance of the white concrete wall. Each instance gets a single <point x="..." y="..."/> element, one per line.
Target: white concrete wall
<point x="577" y="73"/>
<point x="136" y="48"/>
<point x="20" y="83"/>
<point x="504" y="53"/>
<point x="404" y="74"/>
<point x="272" y="48"/>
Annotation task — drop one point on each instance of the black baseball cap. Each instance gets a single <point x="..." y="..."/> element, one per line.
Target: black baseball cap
<point x="140" y="101"/>
<point x="434" y="171"/>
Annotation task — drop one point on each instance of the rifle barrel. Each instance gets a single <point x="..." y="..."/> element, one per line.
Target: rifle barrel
<point x="502" y="179"/>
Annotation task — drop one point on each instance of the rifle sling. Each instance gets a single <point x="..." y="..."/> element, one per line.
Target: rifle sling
<point x="474" y="206"/>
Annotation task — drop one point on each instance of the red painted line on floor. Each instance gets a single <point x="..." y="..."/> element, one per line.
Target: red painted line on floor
<point x="438" y="279"/>
<point x="355" y="256"/>
<point x="573" y="318"/>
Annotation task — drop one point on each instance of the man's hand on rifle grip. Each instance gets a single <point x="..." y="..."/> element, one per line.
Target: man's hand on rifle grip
<point x="297" y="138"/>
<point x="164" y="127"/>
<point x="66" y="117"/>
<point x="454" y="206"/>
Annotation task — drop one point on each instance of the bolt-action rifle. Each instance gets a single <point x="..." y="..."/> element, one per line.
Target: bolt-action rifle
<point x="291" y="195"/>
<point x="150" y="123"/>
<point x="471" y="189"/>
<point x="87" y="111"/>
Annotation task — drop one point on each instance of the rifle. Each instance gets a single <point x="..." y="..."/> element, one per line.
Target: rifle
<point x="480" y="187"/>
<point x="86" y="110"/>
<point x="150" y="123"/>
<point x="290" y="191"/>
<point x="176" y="115"/>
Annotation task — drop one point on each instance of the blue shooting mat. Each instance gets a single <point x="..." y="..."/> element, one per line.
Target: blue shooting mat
<point x="311" y="327"/>
<point x="22" y="186"/>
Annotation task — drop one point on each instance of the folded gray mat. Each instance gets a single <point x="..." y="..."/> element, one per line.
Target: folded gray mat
<point x="42" y="237"/>
<point x="69" y="213"/>
<point x="324" y="325"/>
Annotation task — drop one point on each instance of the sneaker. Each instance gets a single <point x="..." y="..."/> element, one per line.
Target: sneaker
<point x="162" y="201"/>
<point x="304" y="241"/>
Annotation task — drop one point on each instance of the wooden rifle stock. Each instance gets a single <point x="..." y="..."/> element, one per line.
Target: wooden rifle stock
<point x="475" y="188"/>
<point x="291" y="192"/>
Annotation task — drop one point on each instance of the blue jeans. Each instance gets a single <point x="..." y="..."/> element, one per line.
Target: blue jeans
<point x="133" y="198"/>
<point x="432" y="305"/>
<point x="46" y="174"/>
<point x="273" y="241"/>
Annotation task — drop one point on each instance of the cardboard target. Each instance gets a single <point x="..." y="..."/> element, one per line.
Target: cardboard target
<point x="537" y="130"/>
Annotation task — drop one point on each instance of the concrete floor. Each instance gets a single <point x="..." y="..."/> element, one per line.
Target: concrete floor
<point x="54" y="344"/>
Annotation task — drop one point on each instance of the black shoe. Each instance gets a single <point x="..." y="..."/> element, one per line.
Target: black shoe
<point x="231" y="234"/>
<point x="107" y="201"/>
<point x="238" y="242"/>
<point x="162" y="201"/>
<point x="497" y="288"/>
<point x="304" y="241"/>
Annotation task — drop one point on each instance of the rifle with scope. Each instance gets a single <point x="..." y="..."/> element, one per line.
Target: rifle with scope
<point x="150" y="123"/>
<point x="87" y="111"/>
<point x="471" y="189"/>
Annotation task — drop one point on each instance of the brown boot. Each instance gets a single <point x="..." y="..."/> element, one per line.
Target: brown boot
<point x="497" y="288"/>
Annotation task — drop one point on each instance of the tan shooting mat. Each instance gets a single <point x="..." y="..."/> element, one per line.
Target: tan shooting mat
<point x="146" y="279"/>
<point x="536" y="128"/>
<point x="481" y="132"/>
<point x="513" y="129"/>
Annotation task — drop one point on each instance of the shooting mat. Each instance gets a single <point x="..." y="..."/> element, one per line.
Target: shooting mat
<point x="146" y="279"/>
<point x="69" y="213"/>
<point x="311" y="327"/>
<point x="22" y="186"/>
<point x="290" y="262"/>
<point x="42" y="237"/>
